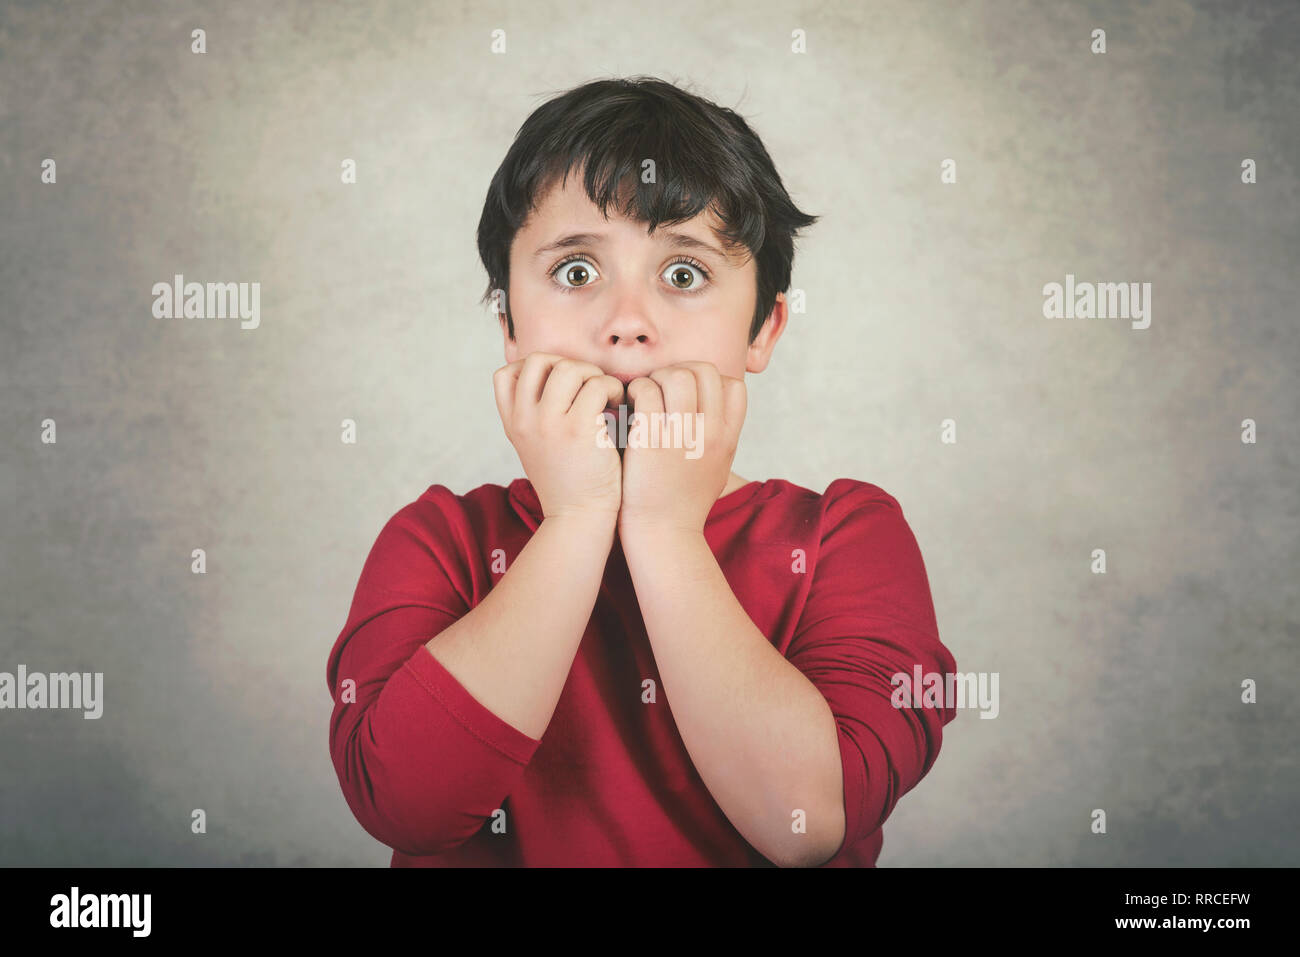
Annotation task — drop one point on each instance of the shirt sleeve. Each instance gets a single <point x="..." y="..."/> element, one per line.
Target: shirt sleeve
<point x="421" y="762"/>
<point x="869" y="616"/>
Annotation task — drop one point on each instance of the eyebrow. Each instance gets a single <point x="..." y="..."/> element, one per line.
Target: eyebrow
<point x="677" y="240"/>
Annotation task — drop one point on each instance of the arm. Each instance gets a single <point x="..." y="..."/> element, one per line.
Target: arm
<point x="513" y="652"/>
<point x="749" y="715"/>
<point x="422" y="762"/>
<point x="759" y="733"/>
<point x="438" y="735"/>
<point x="868" y="616"/>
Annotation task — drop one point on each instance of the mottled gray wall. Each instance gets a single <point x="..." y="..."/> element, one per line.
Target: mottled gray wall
<point x="1119" y="691"/>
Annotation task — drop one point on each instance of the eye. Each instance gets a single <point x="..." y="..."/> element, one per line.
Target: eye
<point x="575" y="270"/>
<point x="679" y="275"/>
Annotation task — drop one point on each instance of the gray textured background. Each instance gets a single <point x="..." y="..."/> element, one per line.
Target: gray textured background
<point x="1118" y="691"/>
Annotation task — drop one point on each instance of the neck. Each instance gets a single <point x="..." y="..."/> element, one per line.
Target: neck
<point x="733" y="482"/>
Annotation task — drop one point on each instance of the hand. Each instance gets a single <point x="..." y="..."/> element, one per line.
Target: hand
<point x="676" y="487"/>
<point x="551" y="407"/>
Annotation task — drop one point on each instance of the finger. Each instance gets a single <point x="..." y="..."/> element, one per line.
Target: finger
<point x="678" y="387"/>
<point x="504" y="381"/>
<point x="532" y="380"/>
<point x="645" y="395"/>
<point x="602" y="389"/>
<point x="708" y="386"/>
<point x="736" y="400"/>
<point x="563" y="384"/>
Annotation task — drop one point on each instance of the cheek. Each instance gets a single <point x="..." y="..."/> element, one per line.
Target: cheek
<point x="727" y="351"/>
<point x="544" y="332"/>
<point x="529" y="310"/>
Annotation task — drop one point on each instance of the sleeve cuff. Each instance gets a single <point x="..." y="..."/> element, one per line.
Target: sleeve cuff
<point x="467" y="710"/>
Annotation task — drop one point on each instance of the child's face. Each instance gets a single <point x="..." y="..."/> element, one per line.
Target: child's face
<point x="626" y="301"/>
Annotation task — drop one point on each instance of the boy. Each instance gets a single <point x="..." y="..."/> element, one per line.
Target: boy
<point x="635" y="657"/>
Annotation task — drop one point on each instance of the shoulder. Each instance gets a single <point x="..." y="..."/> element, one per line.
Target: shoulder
<point x="848" y="499"/>
<point x="868" y="550"/>
<point x="844" y="499"/>
<point x="486" y="499"/>
<point x="863" y="528"/>
<point x="442" y="516"/>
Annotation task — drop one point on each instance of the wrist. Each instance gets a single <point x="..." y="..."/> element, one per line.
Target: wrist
<point x="646" y="529"/>
<point x="590" y="520"/>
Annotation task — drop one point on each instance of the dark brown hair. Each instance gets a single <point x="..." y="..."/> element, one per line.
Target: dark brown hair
<point x="706" y="156"/>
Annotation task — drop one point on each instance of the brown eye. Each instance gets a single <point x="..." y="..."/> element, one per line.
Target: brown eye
<point x="683" y="276"/>
<point x="573" y="274"/>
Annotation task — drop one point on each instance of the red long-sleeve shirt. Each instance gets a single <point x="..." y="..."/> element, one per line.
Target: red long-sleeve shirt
<point x="835" y="581"/>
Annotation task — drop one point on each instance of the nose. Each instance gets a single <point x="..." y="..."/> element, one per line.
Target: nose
<point x="616" y="338"/>
<point x="628" y="322"/>
<point x="626" y="330"/>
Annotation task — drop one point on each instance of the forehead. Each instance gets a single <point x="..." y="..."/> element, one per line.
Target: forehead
<point x="565" y="208"/>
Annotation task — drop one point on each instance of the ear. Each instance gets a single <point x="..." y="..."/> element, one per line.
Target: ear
<point x="511" y="346"/>
<point x="760" y="351"/>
